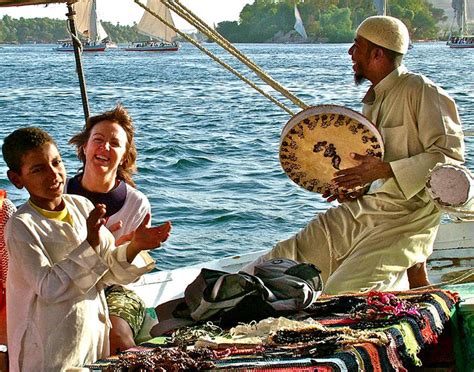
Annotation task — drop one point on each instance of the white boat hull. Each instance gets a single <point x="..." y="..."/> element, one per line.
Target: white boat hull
<point x="453" y="251"/>
<point x="95" y="48"/>
<point x="461" y="46"/>
<point x="153" y="49"/>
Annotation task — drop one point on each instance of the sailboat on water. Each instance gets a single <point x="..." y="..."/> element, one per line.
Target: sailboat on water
<point x="161" y="37"/>
<point x="463" y="39"/>
<point x="299" y="26"/>
<point x="88" y="24"/>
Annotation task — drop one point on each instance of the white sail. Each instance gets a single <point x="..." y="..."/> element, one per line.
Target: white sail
<point x="97" y="31"/>
<point x="299" y="27"/>
<point x="82" y="9"/>
<point x="152" y="27"/>
<point x="88" y="22"/>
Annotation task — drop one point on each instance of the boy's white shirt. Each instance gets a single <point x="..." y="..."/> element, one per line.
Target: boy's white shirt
<point x="56" y="308"/>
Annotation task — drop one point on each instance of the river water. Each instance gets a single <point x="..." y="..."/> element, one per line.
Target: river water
<point x="207" y="143"/>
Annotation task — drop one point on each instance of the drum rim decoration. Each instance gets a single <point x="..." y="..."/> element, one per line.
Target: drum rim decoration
<point x="327" y="109"/>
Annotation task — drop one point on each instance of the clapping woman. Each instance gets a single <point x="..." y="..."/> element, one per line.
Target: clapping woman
<point x="107" y="150"/>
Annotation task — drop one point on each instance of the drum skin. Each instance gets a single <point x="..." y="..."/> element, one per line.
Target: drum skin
<point x="318" y="141"/>
<point x="450" y="185"/>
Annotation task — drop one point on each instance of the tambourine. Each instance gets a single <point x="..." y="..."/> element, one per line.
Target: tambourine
<point x="318" y="141"/>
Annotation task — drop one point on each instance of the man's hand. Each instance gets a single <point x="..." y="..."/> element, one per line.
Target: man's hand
<point x="94" y="222"/>
<point x="370" y="168"/>
<point x="146" y="238"/>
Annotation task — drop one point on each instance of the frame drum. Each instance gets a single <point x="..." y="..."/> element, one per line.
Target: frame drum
<point x="318" y="141"/>
<point x="450" y="185"/>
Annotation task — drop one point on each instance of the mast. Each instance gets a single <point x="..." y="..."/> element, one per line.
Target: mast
<point x="465" y="27"/>
<point x="78" y="57"/>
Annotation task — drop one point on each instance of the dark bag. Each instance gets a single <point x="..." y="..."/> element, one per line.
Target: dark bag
<point x="278" y="286"/>
<point x="293" y="286"/>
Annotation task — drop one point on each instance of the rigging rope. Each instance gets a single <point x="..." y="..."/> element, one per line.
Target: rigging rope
<point x="193" y="19"/>
<point x="201" y="26"/>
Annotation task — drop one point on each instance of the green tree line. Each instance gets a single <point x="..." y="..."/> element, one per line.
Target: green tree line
<point x="48" y="30"/>
<point x="326" y="20"/>
<point x="261" y="21"/>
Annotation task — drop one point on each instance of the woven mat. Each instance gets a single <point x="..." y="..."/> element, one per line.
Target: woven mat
<point x="407" y="336"/>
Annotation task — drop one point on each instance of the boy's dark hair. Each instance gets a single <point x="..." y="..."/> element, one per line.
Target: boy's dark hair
<point x="19" y="142"/>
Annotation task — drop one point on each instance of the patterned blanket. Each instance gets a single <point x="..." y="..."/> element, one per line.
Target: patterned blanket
<point x="371" y="332"/>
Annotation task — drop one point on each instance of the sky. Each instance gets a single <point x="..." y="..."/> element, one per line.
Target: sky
<point x="126" y="11"/>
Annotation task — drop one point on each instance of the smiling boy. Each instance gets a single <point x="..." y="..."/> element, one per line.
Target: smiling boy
<point x="61" y="259"/>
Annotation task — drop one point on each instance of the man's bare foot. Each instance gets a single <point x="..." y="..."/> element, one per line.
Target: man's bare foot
<point x="418" y="275"/>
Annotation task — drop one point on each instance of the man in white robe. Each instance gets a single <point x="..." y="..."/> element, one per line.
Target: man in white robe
<point x="370" y="240"/>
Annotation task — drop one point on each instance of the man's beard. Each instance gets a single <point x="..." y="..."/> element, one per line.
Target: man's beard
<point x="359" y="78"/>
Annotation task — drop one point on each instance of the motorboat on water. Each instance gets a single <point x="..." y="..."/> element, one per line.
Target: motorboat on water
<point x="109" y="44"/>
<point x="461" y="38"/>
<point x="461" y="42"/>
<point x="153" y="46"/>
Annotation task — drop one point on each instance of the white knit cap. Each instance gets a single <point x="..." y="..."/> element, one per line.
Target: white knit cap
<point x="385" y="31"/>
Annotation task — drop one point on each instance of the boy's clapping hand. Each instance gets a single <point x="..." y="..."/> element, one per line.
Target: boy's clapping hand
<point x="94" y="222"/>
<point x="143" y="238"/>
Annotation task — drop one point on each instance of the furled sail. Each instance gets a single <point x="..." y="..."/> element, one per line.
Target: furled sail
<point x="460" y="14"/>
<point x="88" y="22"/>
<point x="381" y="6"/>
<point x="152" y="27"/>
<point x="299" y="27"/>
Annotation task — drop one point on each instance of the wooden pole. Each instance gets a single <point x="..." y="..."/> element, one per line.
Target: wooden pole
<point x="78" y="56"/>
